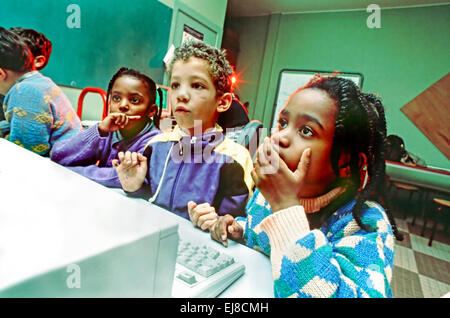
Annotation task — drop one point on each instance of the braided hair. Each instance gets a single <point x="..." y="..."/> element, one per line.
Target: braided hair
<point x="150" y="85"/>
<point x="360" y="127"/>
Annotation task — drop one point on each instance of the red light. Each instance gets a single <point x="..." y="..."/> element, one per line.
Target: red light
<point x="233" y="79"/>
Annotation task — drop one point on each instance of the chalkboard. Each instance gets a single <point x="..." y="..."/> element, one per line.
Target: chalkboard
<point x="290" y="80"/>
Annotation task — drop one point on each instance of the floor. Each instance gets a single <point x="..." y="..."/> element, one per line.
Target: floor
<point x="420" y="271"/>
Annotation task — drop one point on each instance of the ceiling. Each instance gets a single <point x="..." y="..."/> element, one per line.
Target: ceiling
<point x="246" y="8"/>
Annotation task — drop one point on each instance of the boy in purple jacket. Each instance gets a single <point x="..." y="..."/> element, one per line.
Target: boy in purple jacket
<point x="194" y="167"/>
<point x="128" y="127"/>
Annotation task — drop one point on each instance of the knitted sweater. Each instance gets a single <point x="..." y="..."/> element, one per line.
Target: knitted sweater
<point x="337" y="260"/>
<point x="39" y="113"/>
<point x="90" y="154"/>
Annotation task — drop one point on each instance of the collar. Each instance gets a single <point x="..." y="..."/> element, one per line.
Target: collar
<point x="197" y="143"/>
<point x="312" y="205"/>
<point x="26" y="75"/>
<point x="117" y="136"/>
<point x="177" y="129"/>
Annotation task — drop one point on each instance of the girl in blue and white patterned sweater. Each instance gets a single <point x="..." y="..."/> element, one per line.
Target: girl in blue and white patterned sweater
<point x="316" y="214"/>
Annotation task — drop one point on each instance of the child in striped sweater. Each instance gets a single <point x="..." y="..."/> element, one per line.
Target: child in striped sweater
<point x="315" y="212"/>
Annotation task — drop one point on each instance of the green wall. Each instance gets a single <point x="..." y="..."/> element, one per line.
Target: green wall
<point x="113" y="33"/>
<point x="404" y="57"/>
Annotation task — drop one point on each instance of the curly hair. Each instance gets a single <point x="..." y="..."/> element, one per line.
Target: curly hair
<point x="36" y="42"/>
<point x="123" y="71"/>
<point x="219" y="68"/>
<point x="360" y="127"/>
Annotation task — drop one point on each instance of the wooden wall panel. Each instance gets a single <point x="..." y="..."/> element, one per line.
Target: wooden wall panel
<point x="430" y="112"/>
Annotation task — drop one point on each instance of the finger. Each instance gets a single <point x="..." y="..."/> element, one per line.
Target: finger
<point x="219" y="229"/>
<point x="304" y="164"/>
<point x="205" y="208"/>
<point x="207" y="225"/>
<point x="121" y="156"/>
<point x="115" y="163"/>
<point x="134" y="159"/>
<point x="191" y="205"/>
<point x="235" y="230"/>
<point x="266" y="147"/>
<point x="207" y="217"/>
<point x="262" y="159"/>
<point x="223" y="226"/>
<point x="127" y="158"/>
<point x="255" y="177"/>
<point x="123" y="120"/>
<point x="134" y="117"/>
<point x="141" y="158"/>
<point x="117" y="118"/>
<point x="120" y="119"/>
<point x="200" y="217"/>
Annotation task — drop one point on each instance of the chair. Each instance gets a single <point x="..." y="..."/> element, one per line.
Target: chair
<point x="238" y="127"/>
<point x="399" y="187"/>
<point x="441" y="207"/>
<point x="81" y="99"/>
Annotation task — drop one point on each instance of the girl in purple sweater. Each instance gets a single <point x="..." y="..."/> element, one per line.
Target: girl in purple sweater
<point x="133" y="120"/>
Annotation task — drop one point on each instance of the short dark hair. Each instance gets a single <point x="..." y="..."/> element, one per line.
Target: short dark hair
<point x="152" y="89"/>
<point x="37" y="42"/>
<point x="14" y="52"/>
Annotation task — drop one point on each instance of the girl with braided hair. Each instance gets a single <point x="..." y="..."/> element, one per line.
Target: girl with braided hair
<point x="133" y="120"/>
<point x="318" y="215"/>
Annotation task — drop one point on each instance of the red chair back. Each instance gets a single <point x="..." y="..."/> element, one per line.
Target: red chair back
<point x="92" y="90"/>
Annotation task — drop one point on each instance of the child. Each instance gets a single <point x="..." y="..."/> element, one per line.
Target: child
<point x="194" y="162"/>
<point x="38" y="112"/>
<point x="128" y="127"/>
<point x="41" y="48"/>
<point x="396" y="152"/>
<point x="39" y="45"/>
<point x="316" y="216"/>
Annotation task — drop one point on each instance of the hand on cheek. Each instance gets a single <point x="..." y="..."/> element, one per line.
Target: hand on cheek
<point x="279" y="185"/>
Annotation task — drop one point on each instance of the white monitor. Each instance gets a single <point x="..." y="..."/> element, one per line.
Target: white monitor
<point x="62" y="235"/>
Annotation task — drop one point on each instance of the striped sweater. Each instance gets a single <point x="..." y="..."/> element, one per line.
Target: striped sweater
<point x="39" y="113"/>
<point x="337" y="260"/>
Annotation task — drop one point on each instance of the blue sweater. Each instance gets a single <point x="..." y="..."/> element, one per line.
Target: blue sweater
<point x="39" y="113"/>
<point x="337" y="260"/>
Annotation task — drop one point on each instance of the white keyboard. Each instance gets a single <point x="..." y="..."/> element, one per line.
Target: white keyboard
<point x="203" y="271"/>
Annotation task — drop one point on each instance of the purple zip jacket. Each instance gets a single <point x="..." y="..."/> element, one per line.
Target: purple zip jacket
<point x="81" y="153"/>
<point x="206" y="168"/>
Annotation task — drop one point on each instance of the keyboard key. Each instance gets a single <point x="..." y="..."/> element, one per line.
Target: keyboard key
<point x="187" y="277"/>
<point x="205" y="270"/>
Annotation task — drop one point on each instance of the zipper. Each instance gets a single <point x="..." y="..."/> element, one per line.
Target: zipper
<point x="172" y="194"/>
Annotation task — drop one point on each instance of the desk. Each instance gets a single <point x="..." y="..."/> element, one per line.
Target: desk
<point x="67" y="190"/>
<point x="257" y="281"/>
<point x="426" y="178"/>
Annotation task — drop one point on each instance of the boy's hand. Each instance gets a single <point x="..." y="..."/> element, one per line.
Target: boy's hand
<point x="114" y="121"/>
<point x="226" y="227"/>
<point x="131" y="170"/>
<point x="282" y="186"/>
<point x="202" y="215"/>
